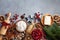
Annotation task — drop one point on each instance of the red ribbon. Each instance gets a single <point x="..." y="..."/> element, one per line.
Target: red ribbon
<point x="5" y="24"/>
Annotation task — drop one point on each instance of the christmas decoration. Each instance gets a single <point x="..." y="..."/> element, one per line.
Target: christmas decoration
<point x="5" y="25"/>
<point x="30" y="18"/>
<point x="22" y="16"/>
<point x="14" y="18"/>
<point x="37" y="16"/>
<point x="26" y="18"/>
